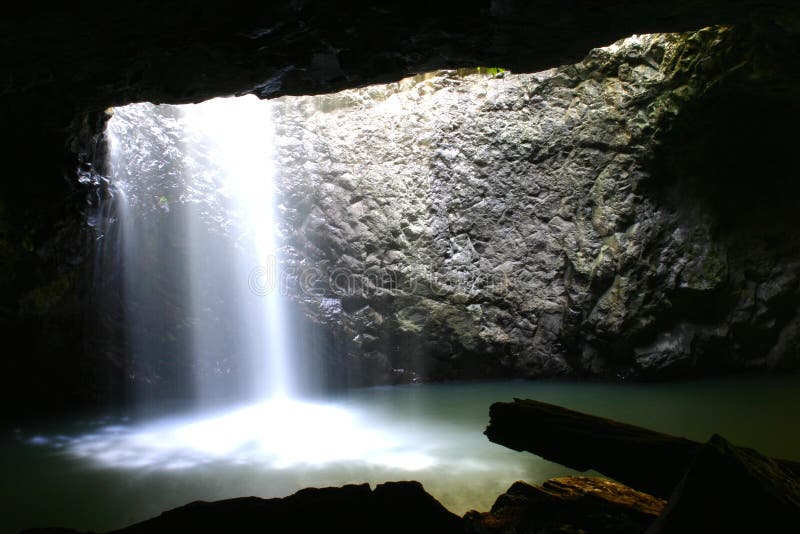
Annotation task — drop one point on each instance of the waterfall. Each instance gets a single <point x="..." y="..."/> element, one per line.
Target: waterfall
<point x="202" y="304"/>
<point x="203" y="307"/>
<point x="197" y="250"/>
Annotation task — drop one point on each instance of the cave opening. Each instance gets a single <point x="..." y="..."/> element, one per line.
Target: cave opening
<point x="331" y="289"/>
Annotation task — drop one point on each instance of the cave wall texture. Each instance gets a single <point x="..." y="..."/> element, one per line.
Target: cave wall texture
<point x="537" y="225"/>
<point x="732" y="97"/>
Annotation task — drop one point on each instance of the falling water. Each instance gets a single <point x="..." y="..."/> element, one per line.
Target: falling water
<point x="239" y="140"/>
<point x="204" y="316"/>
<point x="200" y="247"/>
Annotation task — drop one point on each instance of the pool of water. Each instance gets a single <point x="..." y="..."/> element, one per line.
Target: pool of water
<point x="103" y="472"/>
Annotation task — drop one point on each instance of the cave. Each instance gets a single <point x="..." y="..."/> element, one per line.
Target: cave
<point x="263" y="268"/>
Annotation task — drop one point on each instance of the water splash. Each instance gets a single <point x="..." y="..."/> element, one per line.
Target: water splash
<point x="274" y="434"/>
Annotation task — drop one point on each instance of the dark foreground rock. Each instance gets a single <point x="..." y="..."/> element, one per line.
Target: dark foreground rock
<point x="568" y="504"/>
<point x="647" y="460"/>
<point x="390" y="507"/>
<point x="732" y="489"/>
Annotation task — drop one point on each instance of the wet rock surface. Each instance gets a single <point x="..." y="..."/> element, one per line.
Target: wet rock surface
<point x="546" y="224"/>
<point x="567" y="504"/>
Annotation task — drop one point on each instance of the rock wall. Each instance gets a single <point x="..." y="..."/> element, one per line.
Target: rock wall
<point x="65" y="66"/>
<point x="548" y="224"/>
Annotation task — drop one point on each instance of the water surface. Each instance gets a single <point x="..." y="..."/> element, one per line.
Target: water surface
<point x="102" y="472"/>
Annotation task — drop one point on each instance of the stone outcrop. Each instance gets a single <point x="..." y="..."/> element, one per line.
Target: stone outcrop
<point x="641" y="458"/>
<point x="567" y="504"/>
<point x="731" y="489"/>
<point x="712" y="487"/>
<point x="649" y="461"/>
<point x="725" y="488"/>
<point x="452" y="226"/>
<point x="391" y="507"/>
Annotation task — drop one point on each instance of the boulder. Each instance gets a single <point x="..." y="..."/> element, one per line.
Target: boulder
<point x="587" y="505"/>
<point x="732" y="489"/>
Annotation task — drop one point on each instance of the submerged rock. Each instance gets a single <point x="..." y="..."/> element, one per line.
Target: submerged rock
<point x="586" y="505"/>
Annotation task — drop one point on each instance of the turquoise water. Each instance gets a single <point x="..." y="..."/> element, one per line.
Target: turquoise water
<point x="104" y="472"/>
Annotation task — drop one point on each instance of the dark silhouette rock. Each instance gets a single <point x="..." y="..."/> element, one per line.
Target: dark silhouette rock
<point x="643" y="459"/>
<point x="732" y="489"/>
<point x="391" y="507"/>
<point x="568" y="504"/>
